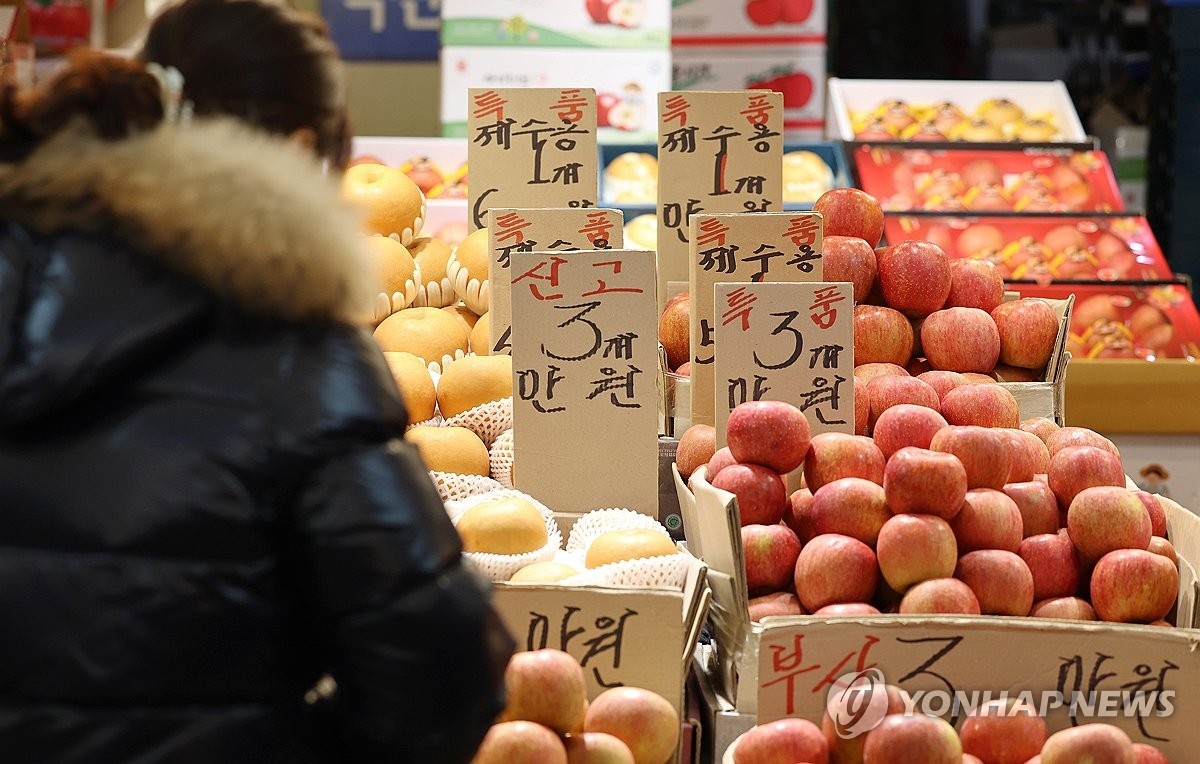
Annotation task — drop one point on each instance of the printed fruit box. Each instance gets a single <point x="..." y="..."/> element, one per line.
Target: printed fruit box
<point x="1140" y="678"/>
<point x="1044" y="249"/>
<point x="438" y="164"/>
<point x="958" y="110"/>
<point x="558" y="23"/>
<point x="988" y="181"/>
<point x="747" y="22"/>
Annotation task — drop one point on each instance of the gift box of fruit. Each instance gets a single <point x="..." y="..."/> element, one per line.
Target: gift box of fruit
<point x="988" y="181"/>
<point x="1043" y="249"/>
<point x="951" y="110"/>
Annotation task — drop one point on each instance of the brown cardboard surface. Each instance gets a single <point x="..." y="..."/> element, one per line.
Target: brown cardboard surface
<point x="531" y="147"/>
<point x="786" y="342"/>
<point x="1047" y="398"/>
<point x="621" y="635"/>
<point x="16" y="50"/>
<point x="561" y="229"/>
<point x="1134" y="396"/>
<point x="824" y="646"/>
<point x="742" y="247"/>
<point x="585" y="379"/>
<point x="717" y="152"/>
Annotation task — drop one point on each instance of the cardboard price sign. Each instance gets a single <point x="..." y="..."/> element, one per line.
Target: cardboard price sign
<point x="717" y="152"/>
<point x="585" y="379"/>
<point x="531" y="147"/>
<point x="1142" y="680"/>
<point x="568" y="229"/>
<point x="750" y="247"/>
<point x="787" y="342"/>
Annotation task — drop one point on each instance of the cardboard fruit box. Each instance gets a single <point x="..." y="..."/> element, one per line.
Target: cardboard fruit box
<point x="785" y="666"/>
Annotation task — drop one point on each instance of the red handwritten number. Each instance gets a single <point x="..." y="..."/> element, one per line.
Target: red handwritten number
<point x="488" y="104"/>
<point x="535" y="275"/>
<point x="602" y="286"/>
<point x="823" y="313"/>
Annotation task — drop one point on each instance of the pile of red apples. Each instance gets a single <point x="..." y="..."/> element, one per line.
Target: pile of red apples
<point x="932" y="517"/>
<point x="1008" y="731"/>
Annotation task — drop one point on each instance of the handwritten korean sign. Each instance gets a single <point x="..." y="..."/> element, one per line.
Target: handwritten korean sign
<point x="531" y="147"/>
<point x="717" y="152"/>
<point x="742" y="247"/>
<point x="564" y="229"/>
<point x="1143" y="680"/>
<point x="585" y="366"/>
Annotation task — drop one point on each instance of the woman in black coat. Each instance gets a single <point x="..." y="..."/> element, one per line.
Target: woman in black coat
<point x="206" y="504"/>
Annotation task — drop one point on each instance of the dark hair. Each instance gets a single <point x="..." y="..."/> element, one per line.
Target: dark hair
<point x="259" y="60"/>
<point x="116" y="95"/>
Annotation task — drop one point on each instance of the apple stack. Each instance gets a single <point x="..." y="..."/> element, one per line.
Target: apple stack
<point x="932" y="517"/>
<point x="548" y="718"/>
<point x="1008" y="731"/>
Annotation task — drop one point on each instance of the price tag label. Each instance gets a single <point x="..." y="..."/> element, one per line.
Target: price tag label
<point x="531" y="147"/>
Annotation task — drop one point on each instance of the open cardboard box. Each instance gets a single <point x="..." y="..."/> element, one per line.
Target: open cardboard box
<point x="1047" y="398"/>
<point x="784" y="666"/>
<point x="851" y="96"/>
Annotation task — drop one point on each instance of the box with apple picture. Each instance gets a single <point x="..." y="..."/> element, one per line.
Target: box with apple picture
<point x="789" y="665"/>
<point x="557" y="23"/>
<point x="748" y="22"/>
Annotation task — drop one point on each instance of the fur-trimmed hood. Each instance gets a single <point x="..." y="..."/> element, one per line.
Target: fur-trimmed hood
<point x="113" y="254"/>
<point x="243" y="214"/>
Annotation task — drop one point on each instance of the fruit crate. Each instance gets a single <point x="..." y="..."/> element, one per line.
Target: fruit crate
<point x="784" y="665"/>
<point x="850" y="99"/>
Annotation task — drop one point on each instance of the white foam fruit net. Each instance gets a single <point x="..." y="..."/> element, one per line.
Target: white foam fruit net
<point x="452" y="486"/>
<point x="438" y="365"/>
<point x="663" y="571"/>
<point x="593" y="523"/>
<point x="500" y="567"/>
<point x="487" y="420"/>
<point x="475" y="294"/>
<point x="437" y="293"/>
<point x="500" y="458"/>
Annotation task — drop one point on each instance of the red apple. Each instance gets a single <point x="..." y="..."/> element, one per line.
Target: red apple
<point x="774" y="603"/>
<point x="783" y="741"/>
<point x="881" y="335"/>
<point x="1040" y="426"/>
<point x="833" y="568"/>
<point x="1000" y="579"/>
<point x="643" y="720"/>
<point x="917" y="366"/>
<point x="770" y="553"/>
<point x="975" y="284"/>
<point x="942" y="381"/>
<point x="1007" y="731"/>
<point x="545" y="686"/>
<point x="851" y="259"/>
<point x="1005" y="373"/>
<point x="774" y="434"/>
<point x="1029" y="455"/>
<point x="835" y="455"/>
<point x="892" y="390"/>
<point x="850" y="713"/>
<point x="1154" y="508"/>
<point x="1134" y="586"/>
<point x="960" y="339"/>
<point x="1064" y="608"/>
<point x="696" y="447"/>
<point x="940" y="596"/>
<point x="1038" y="507"/>
<point x="507" y="742"/>
<point x="862" y="406"/>
<point x="1160" y="545"/>
<point x="797" y="515"/>
<point x="851" y="212"/>
<point x="1102" y="519"/>
<point x="915" y="548"/>
<point x="852" y="507"/>
<point x="984" y="405"/>
<point x="983" y="452"/>
<point x="1078" y="436"/>
<point x="988" y="520"/>
<point x="869" y="371"/>
<point x="848" y="608"/>
<point x="924" y="481"/>
<point x="721" y="459"/>
<point x="1028" y="330"/>
<point x="1075" y="468"/>
<point x="1097" y="743"/>
<point x="674" y="330"/>
<point x="760" y="493"/>
<point x="1148" y="754"/>
<point x="597" y="748"/>
<point x="903" y="739"/>
<point x="1053" y="564"/>
<point x="906" y="424"/>
<point x="975" y="378"/>
<point x="915" y="277"/>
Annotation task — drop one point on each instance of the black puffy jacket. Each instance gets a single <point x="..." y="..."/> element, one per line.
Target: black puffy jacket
<point x="205" y="501"/>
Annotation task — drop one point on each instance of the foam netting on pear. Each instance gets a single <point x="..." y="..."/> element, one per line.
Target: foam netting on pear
<point x="500" y="458"/>
<point x="435" y="293"/>
<point x="452" y="486"/>
<point x="500" y="567"/>
<point x="663" y="571"/>
<point x="438" y="365"/>
<point x="487" y="420"/>
<point x="476" y="294"/>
